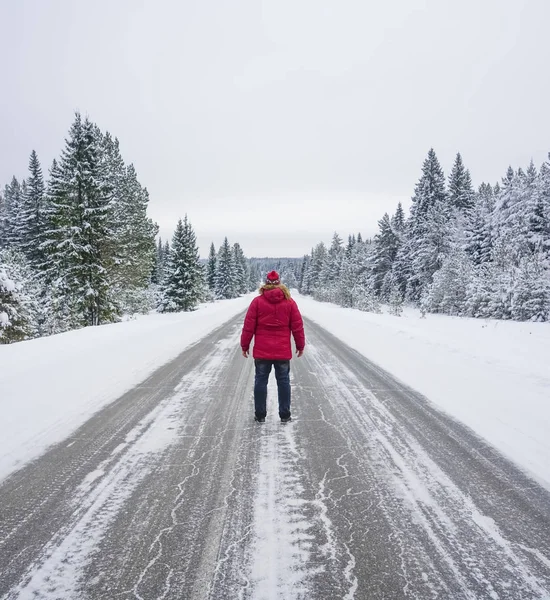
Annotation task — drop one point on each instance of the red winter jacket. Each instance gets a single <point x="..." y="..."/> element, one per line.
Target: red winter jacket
<point x="271" y="317"/>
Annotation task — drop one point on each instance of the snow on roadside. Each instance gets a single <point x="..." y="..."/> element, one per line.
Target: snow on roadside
<point x="50" y="386"/>
<point x="494" y="376"/>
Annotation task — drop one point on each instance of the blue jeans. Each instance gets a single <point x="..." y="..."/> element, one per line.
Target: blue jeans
<point x="282" y="374"/>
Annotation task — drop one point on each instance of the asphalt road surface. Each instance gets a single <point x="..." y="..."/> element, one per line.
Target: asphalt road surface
<point x="174" y="492"/>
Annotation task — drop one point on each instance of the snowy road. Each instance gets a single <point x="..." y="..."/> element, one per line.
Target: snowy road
<point x="370" y="493"/>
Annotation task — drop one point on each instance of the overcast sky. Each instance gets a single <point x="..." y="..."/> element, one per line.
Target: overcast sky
<point x="277" y="122"/>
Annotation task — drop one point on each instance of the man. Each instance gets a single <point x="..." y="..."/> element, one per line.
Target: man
<point x="271" y="318"/>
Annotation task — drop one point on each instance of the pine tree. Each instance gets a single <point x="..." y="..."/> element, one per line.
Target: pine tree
<point x="156" y="276"/>
<point x="184" y="281"/>
<point x="513" y="214"/>
<point x="350" y="245"/>
<point x="479" y="232"/>
<point x="386" y="244"/>
<point x="13" y="224"/>
<point x="395" y="297"/>
<point x="531" y="295"/>
<point x="80" y="230"/>
<point x="241" y="270"/>
<point x="334" y="260"/>
<point x="429" y="227"/>
<point x="398" y="220"/>
<point x="33" y="214"/>
<point x="16" y="304"/>
<point x="225" y="272"/>
<point x="131" y="255"/>
<point x="448" y="292"/>
<point x="255" y="277"/>
<point x="461" y="193"/>
<point x="318" y="257"/>
<point x="211" y="268"/>
<point x="303" y="280"/>
<point x="347" y="281"/>
<point x="429" y="192"/>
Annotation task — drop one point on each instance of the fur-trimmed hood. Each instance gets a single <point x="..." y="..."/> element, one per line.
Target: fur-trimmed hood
<point x="268" y="286"/>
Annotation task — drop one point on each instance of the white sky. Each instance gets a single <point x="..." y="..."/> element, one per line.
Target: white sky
<point x="277" y="122"/>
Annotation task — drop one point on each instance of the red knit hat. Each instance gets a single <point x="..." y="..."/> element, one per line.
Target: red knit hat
<point x="273" y="278"/>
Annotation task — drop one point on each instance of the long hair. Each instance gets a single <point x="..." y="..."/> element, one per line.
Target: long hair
<point x="270" y="286"/>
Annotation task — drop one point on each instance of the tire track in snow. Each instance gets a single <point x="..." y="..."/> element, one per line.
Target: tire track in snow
<point x="103" y="492"/>
<point x="293" y="540"/>
<point x="439" y="540"/>
<point x="280" y="547"/>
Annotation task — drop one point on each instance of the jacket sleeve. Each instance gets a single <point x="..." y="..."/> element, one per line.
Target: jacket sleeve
<point x="297" y="327"/>
<point x="249" y="326"/>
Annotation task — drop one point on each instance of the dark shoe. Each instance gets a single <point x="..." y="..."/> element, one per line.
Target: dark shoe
<point x="259" y="419"/>
<point x="286" y="419"/>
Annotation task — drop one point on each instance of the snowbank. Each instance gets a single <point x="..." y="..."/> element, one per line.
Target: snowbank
<point x="50" y="386"/>
<point x="494" y="376"/>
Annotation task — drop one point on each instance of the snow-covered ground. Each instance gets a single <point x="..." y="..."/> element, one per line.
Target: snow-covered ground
<point x="50" y="386"/>
<point x="494" y="376"/>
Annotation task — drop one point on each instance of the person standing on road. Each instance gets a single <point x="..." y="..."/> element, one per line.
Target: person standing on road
<point x="271" y="318"/>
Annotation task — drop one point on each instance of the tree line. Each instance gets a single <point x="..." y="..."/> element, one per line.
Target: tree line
<point x="463" y="252"/>
<point x="80" y="249"/>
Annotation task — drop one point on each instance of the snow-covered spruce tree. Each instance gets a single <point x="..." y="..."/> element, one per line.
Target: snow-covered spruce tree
<point x="225" y="272"/>
<point x="13" y="227"/>
<point x="510" y="219"/>
<point x="347" y="281"/>
<point x="363" y="296"/>
<point x="158" y="277"/>
<point x="318" y="257"/>
<point x="158" y="266"/>
<point x="303" y="281"/>
<point x="131" y="255"/>
<point x="241" y="270"/>
<point x="386" y="245"/>
<point x="500" y="280"/>
<point x="448" y="292"/>
<point x="327" y="282"/>
<point x="429" y="227"/>
<point x="362" y="291"/>
<point x="184" y="280"/>
<point x="401" y="272"/>
<point x="136" y="239"/>
<point x="33" y="214"/>
<point x="479" y="292"/>
<point x="395" y="295"/>
<point x="211" y="268"/>
<point x="288" y="277"/>
<point x="349" y="246"/>
<point x="531" y="295"/>
<point x="398" y="220"/>
<point x="461" y="193"/>
<point x="18" y="307"/>
<point x="255" y="277"/>
<point x="479" y="236"/>
<point x="79" y="232"/>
